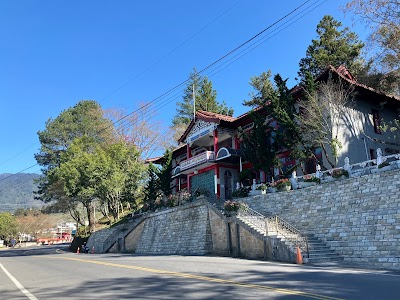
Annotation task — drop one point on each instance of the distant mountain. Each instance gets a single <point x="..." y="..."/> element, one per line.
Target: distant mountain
<point x="16" y="191"/>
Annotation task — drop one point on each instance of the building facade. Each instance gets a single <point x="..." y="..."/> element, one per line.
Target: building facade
<point x="210" y="159"/>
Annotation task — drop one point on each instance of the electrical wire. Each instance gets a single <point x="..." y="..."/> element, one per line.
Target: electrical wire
<point x="208" y="67"/>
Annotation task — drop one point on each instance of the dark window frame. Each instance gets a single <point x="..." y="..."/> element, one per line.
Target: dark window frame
<point x="376" y="121"/>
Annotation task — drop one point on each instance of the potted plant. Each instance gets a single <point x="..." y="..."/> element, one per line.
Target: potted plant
<point x="231" y="207"/>
<point x="283" y="185"/>
<point x="384" y="166"/>
<point x="260" y="189"/>
<point x="339" y="174"/>
<point x="309" y="181"/>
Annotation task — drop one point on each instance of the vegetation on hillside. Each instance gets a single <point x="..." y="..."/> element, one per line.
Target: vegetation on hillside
<point x="16" y="191"/>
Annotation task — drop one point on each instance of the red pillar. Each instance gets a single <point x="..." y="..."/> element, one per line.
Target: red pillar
<point x="215" y="141"/>
<point x="188" y="152"/>
<point x="237" y="144"/>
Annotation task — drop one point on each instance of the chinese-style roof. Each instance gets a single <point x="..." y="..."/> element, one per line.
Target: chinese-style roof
<point x="155" y="160"/>
<point x="207" y="116"/>
<point x="297" y="92"/>
<point x="213" y="117"/>
<point x="345" y="74"/>
<point x="161" y="159"/>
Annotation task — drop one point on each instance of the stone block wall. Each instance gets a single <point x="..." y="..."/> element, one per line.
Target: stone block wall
<point x="219" y="232"/>
<point x="250" y="246"/>
<point x="358" y="217"/>
<point x="132" y="239"/>
<point x="178" y="230"/>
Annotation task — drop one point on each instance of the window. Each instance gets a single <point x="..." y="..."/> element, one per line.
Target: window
<point x="372" y="154"/>
<point x="377" y="121"/>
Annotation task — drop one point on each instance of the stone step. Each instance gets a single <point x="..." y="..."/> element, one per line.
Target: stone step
<point x="323" y="259"/>
<point x="322" y="253"/>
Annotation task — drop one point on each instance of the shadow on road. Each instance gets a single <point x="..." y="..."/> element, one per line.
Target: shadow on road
<point x="35" y="250"/>
<point x="335" y="283"/>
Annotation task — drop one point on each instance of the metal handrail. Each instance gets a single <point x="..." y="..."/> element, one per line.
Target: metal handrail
<point x="288" y="231"/>
<point x="253" y="217"/>
<point x="274" y="225"/>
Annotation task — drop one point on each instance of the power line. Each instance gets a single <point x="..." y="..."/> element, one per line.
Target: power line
<point x="213" y="63"/>
<point x="157" y="61"/>
<point x="173" y="50"/>
<point x="170" y="91"/>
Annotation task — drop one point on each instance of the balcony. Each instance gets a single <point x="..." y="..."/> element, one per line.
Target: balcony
<point x="204" y="159"/>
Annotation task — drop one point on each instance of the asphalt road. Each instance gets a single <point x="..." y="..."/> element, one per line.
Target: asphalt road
<point x="48" y="272"/>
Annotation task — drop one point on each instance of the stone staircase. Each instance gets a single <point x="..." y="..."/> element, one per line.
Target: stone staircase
<point x="314" y="251"/>
<point x="104" y="239"/>
<point x="121" y="232"/>
<point x="319" y="252"/>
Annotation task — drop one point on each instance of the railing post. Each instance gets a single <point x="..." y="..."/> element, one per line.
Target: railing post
<point x="276" y="225"/>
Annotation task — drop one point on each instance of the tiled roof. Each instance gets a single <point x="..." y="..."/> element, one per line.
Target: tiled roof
<point x="345" y="74"/>
<point x="160" y="159"/>
<point x="207" y="116"/>
<point x="202" y="114"/>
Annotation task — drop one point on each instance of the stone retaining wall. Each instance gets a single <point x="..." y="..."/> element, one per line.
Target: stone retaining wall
<point x="358" y="217"/>
<point x="178" y="230"/>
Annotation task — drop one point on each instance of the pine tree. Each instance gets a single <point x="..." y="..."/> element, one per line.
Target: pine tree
<point x="332" y="47"/>
<point x="164" y="174"/>
<point x="205" y="98"/>
<point x="152" y="189"/>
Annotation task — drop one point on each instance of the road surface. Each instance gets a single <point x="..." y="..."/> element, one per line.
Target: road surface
<point x="50" y="272"/>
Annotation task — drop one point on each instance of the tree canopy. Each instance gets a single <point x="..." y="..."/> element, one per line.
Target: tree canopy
<point x="91" y="171"/>
<point x="205" y="99"/>
<point x="8" y="227"/>
<point x="85" y="161"/>
<point x="383" y="19"/>
<point x="333" y="46"/>
<point x="84" y="119"/>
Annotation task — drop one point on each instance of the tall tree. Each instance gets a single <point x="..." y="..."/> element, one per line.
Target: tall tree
<point x="91" y="171"/>
<point x="262" y="89"/>
<point x="84" y="119"/>
<point x="258" y="145"/>
<point x="152" y="190"/>
<point x="383" y="19"/>
<point x="283" y="132"/>
<point x="141" y="129"/>
<point x="205" y="99"/>
<point x="164" y="174"/>
<point x="323" y="114"/>
<point x="334" y="46"/>
<point x="8" y="227"/>
<point x="78" y="172"/>
<point x="121" y="172"/>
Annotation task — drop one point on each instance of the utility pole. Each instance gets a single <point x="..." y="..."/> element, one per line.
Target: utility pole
<point x="194" y="103"/>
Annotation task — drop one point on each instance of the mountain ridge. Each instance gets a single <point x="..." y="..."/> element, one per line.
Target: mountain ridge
<point x="17" y="191"/>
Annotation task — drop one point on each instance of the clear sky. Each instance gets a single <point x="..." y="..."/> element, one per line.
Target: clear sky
<point x="120" y="53"/>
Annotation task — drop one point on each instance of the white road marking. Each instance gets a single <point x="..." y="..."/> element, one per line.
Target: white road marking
<point x="21" y="288"/>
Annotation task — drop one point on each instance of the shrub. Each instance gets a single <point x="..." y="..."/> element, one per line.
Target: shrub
<point x="384" y="164"/>
<point x="241" y="192"/>
<point x="339" y="172"/>
<point x="263" y="187"/>
<point x="280" y="183"/>
<point x="308" y="178"/>
<point x="230" y="205"/>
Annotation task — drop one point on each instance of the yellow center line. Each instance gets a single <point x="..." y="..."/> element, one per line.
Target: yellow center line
<point x="204" y="278"/>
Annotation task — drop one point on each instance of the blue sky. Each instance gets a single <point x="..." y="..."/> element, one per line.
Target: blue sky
<point x="120" y="53"/>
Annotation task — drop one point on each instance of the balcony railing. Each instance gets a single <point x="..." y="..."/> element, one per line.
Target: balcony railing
<point x="207" y="156"/>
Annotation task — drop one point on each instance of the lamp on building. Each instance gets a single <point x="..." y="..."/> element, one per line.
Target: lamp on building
<point x="196" y="171"/>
